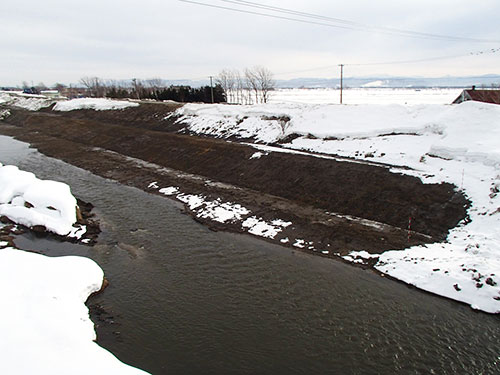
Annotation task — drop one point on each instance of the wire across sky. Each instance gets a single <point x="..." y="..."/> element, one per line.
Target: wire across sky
<point x="315" y="19"/>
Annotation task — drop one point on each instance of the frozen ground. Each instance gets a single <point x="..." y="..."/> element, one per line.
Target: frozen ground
<point x="439" y="143"/>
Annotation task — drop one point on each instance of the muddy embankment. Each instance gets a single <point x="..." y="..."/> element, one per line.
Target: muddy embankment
<point x="137" y="146"/>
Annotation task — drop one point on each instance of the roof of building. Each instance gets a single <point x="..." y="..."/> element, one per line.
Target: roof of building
<point x="486" y="96"/>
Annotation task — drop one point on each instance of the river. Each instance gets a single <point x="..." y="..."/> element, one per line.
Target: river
<point x="186" y="300"/>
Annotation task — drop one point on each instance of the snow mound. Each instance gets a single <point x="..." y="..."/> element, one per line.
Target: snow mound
<point x="377" y="83"/>
<point x="46" y="327"/>
<point x="29" y="201"/>
<point x="26" y="101"/>
<point x="98" y="104"/>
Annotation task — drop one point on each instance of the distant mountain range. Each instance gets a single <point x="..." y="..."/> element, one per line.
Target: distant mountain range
<point x="490" y="80"/>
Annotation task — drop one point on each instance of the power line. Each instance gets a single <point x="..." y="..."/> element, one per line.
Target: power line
<point x="416" y="61"/>
<point x="332" y="22"/>
<point x="492" y="50"/>
<point x="355" y="25"/>
<point x="262" y="14"/>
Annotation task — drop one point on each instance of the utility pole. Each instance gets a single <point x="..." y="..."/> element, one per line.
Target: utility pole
<point x="341" y="81"/>
<point x="211" y="89"/>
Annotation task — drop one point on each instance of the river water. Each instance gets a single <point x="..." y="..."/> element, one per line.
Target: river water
<point x="186" y="300"/>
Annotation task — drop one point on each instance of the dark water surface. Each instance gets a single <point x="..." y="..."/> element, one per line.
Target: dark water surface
<point x="186" y="300"/>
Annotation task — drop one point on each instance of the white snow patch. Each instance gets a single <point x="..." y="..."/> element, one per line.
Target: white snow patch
<point x="359" y="257"/>
<point x="29" y="201"/>
<point x="153" y="185"/>
<point x="192" y="201"/>
<point x="262" y="228"/>
<point x="46" y="328"/>
<point x="171" y="190"/>
<point x="223" y="211"/>
<point x="258" y="155"/>
<point x="215" y="210"/>
<point x="98" y="104"/>
<point x="4" y="113"/>
<point x="299" y="243"/>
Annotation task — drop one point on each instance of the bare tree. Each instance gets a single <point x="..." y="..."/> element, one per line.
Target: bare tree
<point x="41" y="86"/>
<point x="252" y="84"/>
<point x="137" y="85"/>
<point x="253" y="87"/>
<point x="59" y="86"/>
<point x="239" y="87"/>
<point x="260" y="80"/>
<point x="226" y="80"/>
<point x="265" y="82"/>
<point x="94" y="85"/>
<point x="154" y="84"/>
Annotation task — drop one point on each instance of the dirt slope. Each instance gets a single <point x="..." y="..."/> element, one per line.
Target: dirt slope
<point x="299" y="188"/>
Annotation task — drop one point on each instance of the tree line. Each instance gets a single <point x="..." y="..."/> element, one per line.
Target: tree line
<point x="250" y="87"/>
<point x="154" y="89"/>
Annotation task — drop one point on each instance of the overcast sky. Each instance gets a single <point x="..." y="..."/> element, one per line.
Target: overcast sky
<point x="61" y="41"/>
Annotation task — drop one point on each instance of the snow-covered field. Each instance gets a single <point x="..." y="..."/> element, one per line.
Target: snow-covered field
<point x="365" y="96"/>
<point x="458" y="144"/>
<point x="45" y="325"/>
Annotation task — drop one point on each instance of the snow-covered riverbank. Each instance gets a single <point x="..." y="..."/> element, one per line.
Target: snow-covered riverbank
<point x="45" y="324"/>
<point x="437" y="143"/>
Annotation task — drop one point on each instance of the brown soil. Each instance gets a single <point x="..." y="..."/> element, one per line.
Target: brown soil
<point x="302" y="189"/>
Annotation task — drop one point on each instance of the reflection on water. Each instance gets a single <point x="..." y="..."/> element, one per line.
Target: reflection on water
<point x="185" y="300"/>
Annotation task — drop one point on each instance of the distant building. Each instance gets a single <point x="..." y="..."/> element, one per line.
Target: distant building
<point x="485" y="96"/>
<point x="50" y="93"/>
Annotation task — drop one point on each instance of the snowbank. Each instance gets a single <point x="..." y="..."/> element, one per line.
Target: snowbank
<point x="98" y="104"/>
<point x="36" y="102"/>
<point x="44" y="323"/>
<point x="29" y="201"/>
<point x="30" y="102"/>
<point x="458" y="144"/>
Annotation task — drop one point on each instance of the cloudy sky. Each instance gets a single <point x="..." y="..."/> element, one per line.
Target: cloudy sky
<point x="61" y="41"/>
